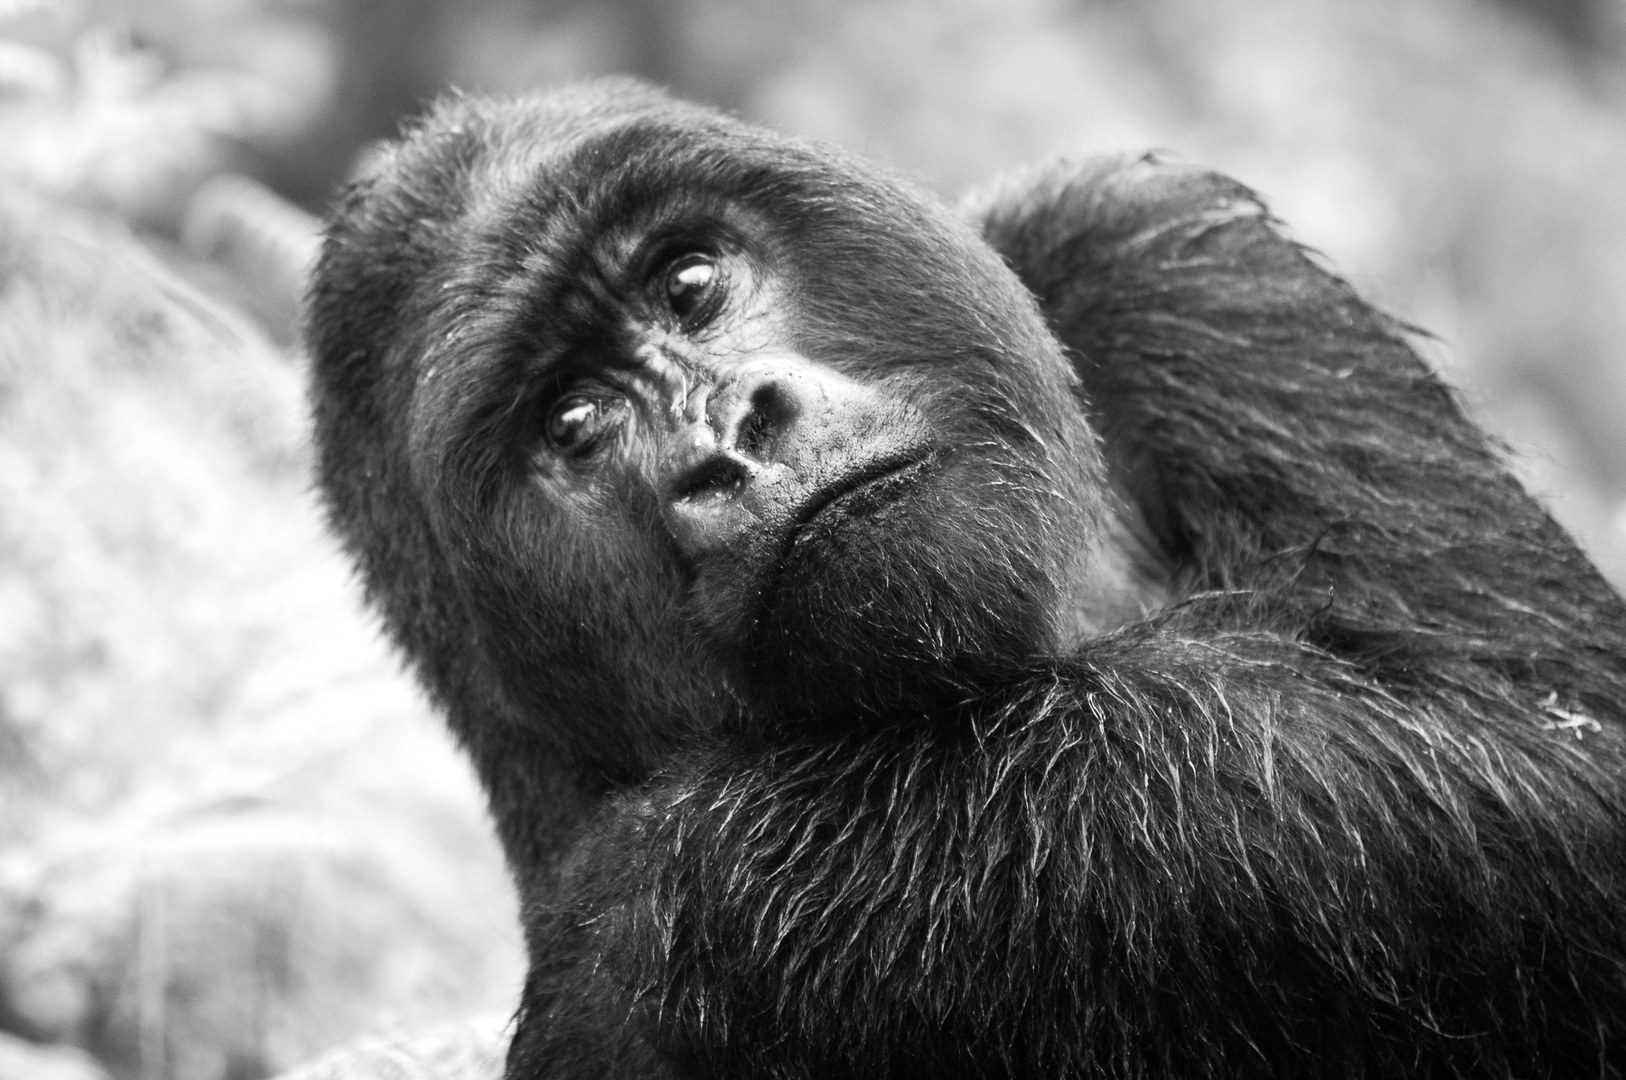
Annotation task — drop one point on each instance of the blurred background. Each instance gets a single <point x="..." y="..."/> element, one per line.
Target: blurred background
<point x="232" y="835"/>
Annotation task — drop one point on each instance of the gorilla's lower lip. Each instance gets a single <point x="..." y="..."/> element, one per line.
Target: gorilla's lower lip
<point x="859" y="493"/>
<point x="862" y="492"/>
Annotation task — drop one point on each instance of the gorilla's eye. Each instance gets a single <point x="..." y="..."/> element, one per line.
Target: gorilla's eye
<point x="576" y="422"/>
<point x="691" y="284"/>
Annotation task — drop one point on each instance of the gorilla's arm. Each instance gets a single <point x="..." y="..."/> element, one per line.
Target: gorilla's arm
<point x="1351" y="801"/>
<point x="1282" y="439"/>
<point x="1169" y="851"/>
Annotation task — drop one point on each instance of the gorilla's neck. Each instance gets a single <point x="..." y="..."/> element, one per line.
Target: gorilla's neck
<point x="1124" y="577"/>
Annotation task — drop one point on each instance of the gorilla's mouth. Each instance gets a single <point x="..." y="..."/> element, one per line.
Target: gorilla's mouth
<point x="853" y="495"/>
<point x="857" y="494"/>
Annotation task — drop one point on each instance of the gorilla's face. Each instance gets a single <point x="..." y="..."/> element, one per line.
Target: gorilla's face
<point x="705" y="419"/>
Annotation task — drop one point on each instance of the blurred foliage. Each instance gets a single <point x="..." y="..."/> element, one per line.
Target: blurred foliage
<point x="134" y="422"/>
<point x="106" y="125"/>
<point x="233" y="834"/>
<point x="230" y="833"/>
<point x="20" y="1060"/>
<point x="465" y="1050"/>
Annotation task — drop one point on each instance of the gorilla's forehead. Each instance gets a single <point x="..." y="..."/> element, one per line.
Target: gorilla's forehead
<point x="572" y="163"/>
<point x="610" y="190"/>
<point x="562" y="243"/>
<point x="553" y="202"/>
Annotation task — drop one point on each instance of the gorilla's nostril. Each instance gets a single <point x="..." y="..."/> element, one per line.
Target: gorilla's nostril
<point x="771" y="411"/>
<point x="755" y="433"/>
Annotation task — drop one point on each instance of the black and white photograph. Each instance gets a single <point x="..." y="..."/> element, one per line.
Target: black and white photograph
<point x="812" y="539"/>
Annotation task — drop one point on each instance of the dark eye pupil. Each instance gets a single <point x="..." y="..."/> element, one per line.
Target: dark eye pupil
<point x="687" y="283"/>
<point x="572" y="422"/>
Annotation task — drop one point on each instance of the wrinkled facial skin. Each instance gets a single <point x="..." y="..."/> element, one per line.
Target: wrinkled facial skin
<point x="751" y="456"/>
<point x="691" y="433"/>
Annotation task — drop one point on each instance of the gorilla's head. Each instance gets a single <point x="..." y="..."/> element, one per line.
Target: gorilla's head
<point x="639" y="418"/>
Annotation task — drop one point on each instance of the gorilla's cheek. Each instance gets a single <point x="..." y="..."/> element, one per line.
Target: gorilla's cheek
<point x="586" y="568"/>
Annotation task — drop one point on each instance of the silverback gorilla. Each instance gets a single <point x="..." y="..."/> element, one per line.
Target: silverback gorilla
<point x="1097" y="647"/>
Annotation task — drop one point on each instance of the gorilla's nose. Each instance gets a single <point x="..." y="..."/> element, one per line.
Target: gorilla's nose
<point x="746" y="426"/>
<point x="775" y="439"/>
<point x="730" y="470"/>
<point x="755" y="412"/>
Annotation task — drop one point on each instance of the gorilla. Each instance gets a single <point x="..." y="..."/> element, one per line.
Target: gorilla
<point x="1071" y="636"/>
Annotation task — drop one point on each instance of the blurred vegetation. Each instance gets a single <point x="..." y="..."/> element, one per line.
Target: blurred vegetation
<point x="231" y="834"/>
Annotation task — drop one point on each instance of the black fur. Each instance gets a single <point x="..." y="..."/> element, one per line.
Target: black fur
<point x="1213" y="705"/>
